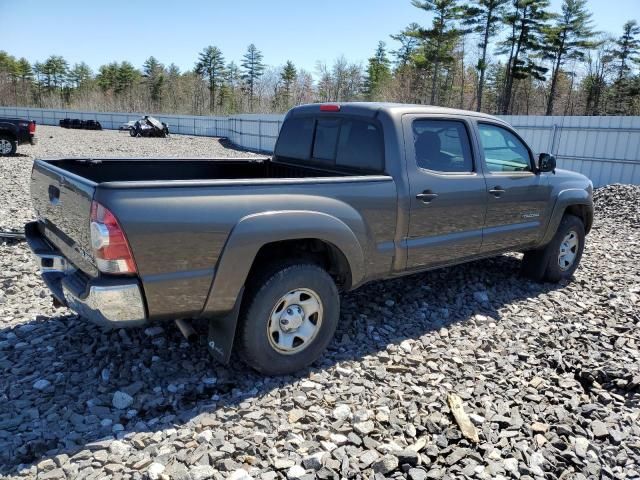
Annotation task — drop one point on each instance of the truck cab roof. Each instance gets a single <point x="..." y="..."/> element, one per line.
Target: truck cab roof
<point x="371" y="109"/>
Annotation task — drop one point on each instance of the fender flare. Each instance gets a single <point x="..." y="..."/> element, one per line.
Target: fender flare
<point x="254" y="231"/>
<point x="237" y="257"/>
<point x="565" y="199"/>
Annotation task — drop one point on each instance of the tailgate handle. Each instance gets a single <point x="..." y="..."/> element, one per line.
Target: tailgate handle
<point x="54" y="194"/>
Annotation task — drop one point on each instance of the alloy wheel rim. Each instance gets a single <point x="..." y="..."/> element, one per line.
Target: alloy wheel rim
<point x="568" y="250"/>
<point x="5" y="146"/>
<point x="295" y="321"/>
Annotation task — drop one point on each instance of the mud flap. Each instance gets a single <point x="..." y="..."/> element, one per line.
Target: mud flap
<point x="222" y="331"/>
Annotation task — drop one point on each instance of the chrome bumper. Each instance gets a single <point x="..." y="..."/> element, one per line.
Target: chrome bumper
<point x="116" y="302"/>
<point x="116" y="305"/>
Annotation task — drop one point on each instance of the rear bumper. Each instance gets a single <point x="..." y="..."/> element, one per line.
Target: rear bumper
<point x="115" y="302"/>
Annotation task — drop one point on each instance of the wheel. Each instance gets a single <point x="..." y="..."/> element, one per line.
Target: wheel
<point x="132" y="132"/>
<point x="289" y="319"/>
<point x="8" y="145"/>
<point x="560" y="258"/>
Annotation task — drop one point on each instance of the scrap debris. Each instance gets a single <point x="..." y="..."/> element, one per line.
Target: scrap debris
<point x="457" y="409"/>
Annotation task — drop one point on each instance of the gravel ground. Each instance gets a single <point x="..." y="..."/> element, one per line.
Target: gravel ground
<point x="548" y="374"/>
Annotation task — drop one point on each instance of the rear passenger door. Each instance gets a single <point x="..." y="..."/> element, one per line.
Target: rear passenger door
<point x="517" y="197"/>
<point x="447" y="191"/>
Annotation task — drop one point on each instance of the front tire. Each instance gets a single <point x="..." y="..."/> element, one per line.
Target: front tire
<point x="560" y="258"/>
<point x="289" y="319"/>
<point x="8" y="146"/>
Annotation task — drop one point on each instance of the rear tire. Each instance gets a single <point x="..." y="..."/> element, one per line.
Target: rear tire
<point x="8" y="145"/>
<point x="289" y="318"/>
<point x="560" y="258"/>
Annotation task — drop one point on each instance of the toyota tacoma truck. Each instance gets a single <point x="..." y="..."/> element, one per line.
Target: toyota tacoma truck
<point x="261" y="248"/>
<point x="14" y="131"/>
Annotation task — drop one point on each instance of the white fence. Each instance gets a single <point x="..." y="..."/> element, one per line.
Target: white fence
<point x="606" y="149"/>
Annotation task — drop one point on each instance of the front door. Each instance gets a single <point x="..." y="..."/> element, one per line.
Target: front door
<point x="447" y="191"/>
<point x="517" y="197"/>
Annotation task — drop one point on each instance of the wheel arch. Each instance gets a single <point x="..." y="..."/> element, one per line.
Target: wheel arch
<point x="5" y="132"/>
<point x="574" y="201"/>
<point x="271" y="236"/>
<point x="266" y="238"/>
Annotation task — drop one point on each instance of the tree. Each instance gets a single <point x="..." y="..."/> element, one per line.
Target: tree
<point x="378" y="74"/>
<point x="55" y="69"/>
<point x="153" y="72"/>
<point x="210" y="66"/>
<point x="599" y="68"/>
<point x="439" y="40"/>
<point x="483" y="16"/>
<point x="408" y="46"/>
<point x="526" y="20"/>
<point x="126" y="77"/>
<point x="627" y="48"/>
<point x="626" y="52"/>
<point x="80" y="75"/>
<point x="288" y="77"/>
<point x="567" y="39"/>
<point x="107" y="76"/>
<point x="253" y="70"/>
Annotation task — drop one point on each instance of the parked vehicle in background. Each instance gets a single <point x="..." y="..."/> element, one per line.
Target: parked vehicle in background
<point x="16" y="131"/>
<point x="147" y="126"/>
<point x="80" y="124"/>
<point x="261" y="248"/>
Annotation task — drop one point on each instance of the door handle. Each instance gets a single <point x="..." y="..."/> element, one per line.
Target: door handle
<point x="497" y="191"/>
<point x="426" y="196"/>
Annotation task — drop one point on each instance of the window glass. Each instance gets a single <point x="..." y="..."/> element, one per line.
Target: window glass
<point x="294" y="141"/>
<point x="324" y="146"/>
<point x="503" y="151"/>
<point x="442" y="146"/>
<point x="360" y="146"/>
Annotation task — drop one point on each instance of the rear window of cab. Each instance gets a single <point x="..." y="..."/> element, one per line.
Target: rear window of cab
<point x="342" y="143"/>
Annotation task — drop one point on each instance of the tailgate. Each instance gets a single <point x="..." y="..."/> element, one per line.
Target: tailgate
<point x="62" y="201"/>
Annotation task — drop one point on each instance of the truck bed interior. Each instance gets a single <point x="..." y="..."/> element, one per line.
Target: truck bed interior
<point x="106" y="170"/>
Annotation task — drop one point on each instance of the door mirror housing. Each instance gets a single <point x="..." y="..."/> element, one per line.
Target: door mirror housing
<point x="546" y="163"/>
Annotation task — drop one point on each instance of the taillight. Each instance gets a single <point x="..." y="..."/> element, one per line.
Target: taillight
<point x="32" y="127"/>
<point x="329" y="107"/>
<point x="109" y="243"/>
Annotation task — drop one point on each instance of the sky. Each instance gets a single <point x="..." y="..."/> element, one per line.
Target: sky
<point x="304" y="31"/>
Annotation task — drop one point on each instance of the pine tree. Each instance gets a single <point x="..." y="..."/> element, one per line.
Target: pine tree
<point x="483" y="16"/>
<point x="55" y="69"/>
<point x="107" y="76"/>
<point x="526" y="20"/>
<point x="80" y="75"/>
<point x="408" y="46"/>
<point x="626" y="52"/>
<point x="288" y="77"/>
<point x="438" y="41"/>
<point x="627" y="48"/>
<point x="378" y="74"/>
<point x="153" y="71"/>
<point x="253" y="70"/>
<point x="567" y="39"/>
<point x="210" y="65"/>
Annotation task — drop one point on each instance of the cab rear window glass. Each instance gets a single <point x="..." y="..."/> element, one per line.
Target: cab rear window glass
<point x="338" y="142"/>
<point x="360" y="146"/>
<point x="294" y="141"/>
<point x="324" y="145"/>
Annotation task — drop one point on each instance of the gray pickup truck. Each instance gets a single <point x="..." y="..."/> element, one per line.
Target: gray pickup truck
<point x="261" y="248"/>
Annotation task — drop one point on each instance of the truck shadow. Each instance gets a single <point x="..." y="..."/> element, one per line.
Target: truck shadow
<point x="59" y="374"/>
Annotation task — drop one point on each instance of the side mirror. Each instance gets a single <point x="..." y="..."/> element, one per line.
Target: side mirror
<point x="546" y="163"/>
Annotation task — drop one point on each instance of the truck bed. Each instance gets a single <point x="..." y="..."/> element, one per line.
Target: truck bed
<point x="158" y="169"/>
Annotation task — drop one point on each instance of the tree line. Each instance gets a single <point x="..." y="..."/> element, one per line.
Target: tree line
<point x="497" y="56"/>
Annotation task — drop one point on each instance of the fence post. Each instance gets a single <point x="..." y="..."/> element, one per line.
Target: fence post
<point x="554" y="132"/>
<point x="259" y="135"/>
